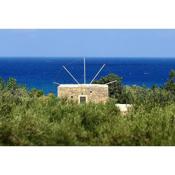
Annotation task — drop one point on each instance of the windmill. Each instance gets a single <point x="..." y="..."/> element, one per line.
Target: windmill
<point x="84" y="92"/>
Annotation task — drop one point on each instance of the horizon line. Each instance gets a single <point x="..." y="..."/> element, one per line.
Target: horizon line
<point x="87" y="57"/>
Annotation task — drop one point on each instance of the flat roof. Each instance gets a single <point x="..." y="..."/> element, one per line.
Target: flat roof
<point x="83" y="85"/>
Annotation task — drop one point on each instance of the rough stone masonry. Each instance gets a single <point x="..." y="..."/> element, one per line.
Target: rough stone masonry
<point x="84" y="93"/>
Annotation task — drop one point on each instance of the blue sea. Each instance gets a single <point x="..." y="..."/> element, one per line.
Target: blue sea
<point x="40" y="73"/>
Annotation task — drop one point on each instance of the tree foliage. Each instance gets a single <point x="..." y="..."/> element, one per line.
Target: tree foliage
<point x="170" y="84"/>
<point x="32" y="118"/>
<point x="116" y="89"/>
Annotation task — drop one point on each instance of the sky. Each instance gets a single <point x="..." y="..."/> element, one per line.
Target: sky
<point x="87" y="43"/>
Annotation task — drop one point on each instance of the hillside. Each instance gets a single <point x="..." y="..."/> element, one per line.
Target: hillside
<point x="28" y="117"/>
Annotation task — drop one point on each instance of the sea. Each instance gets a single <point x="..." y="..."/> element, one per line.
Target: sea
<point x="41" y="73"/>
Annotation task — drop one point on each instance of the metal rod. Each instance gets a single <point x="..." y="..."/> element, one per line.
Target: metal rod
<point x="71" y="75"/>
<point x="84" y="71"/>
<point x="56" y="83"/>
<point x="97" y="73"/>
<point x="111" y="82"/>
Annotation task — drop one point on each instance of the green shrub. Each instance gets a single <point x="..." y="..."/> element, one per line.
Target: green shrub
<point x="32" y="118"/>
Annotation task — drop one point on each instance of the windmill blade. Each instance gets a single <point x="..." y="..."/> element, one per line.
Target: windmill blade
<point x="56" y="83"/>
<point x="84" y="71"/>
<point x="111" y="82"/>
<point x="71" y="75"/>
<point x="97" y="73"/>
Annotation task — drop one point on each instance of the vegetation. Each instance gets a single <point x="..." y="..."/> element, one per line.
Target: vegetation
<point x="32" y="118"/>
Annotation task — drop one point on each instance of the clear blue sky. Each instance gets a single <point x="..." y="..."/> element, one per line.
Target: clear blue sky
<point x="89" y="43"/>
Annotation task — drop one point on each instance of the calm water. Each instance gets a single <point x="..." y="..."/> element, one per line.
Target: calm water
<point x="42" y="72"/>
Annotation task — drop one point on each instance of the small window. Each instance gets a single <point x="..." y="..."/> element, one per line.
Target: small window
<point x="82" y="99"/>
<point x="91" y="92"/>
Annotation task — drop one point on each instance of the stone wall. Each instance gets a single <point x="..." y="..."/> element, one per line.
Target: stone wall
<point x="93" y="93"/>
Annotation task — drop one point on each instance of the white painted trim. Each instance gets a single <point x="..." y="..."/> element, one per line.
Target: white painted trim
<point x="84" y="85"/>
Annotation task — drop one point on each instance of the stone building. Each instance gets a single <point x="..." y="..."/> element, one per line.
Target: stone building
<point x="84" y="93"/>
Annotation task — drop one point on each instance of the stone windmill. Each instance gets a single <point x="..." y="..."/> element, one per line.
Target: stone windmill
<point x="86" y="92"/>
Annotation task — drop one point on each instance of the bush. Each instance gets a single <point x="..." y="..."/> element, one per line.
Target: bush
<point x="116" y="89"/>
<point x="32" y="118"/>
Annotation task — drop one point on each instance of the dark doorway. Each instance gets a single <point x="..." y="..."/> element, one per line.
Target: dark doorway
<point x="82" y="99"/>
